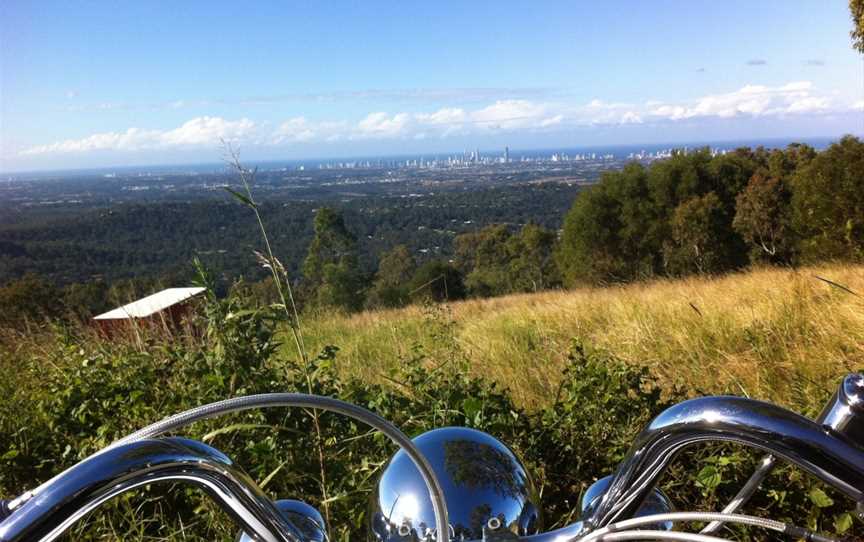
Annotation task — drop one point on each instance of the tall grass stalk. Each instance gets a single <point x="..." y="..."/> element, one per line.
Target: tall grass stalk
<point x="287" y="303"/>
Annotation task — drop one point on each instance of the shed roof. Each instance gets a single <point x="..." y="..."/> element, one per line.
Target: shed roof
<point x="151" y="304"/>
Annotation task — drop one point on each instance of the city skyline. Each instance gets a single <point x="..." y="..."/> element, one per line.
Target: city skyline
<point x="158" y="84"/>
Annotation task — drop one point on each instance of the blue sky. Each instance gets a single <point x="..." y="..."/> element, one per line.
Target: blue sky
<point x="115" y="83"/>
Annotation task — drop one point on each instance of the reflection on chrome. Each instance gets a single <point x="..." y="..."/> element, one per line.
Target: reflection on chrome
<point x="106" y="475"/>
<point x="486" y="489"/>
<point x="484" y="483"/>
<point x="655" y="503"/>
<point x="836" y="461"/>
<point x="304" y="517"/>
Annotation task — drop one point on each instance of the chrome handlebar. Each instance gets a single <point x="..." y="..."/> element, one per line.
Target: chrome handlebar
<point x="98" y="478"/>
<point x="833" y="451"/>
<point x="817" y="449"/>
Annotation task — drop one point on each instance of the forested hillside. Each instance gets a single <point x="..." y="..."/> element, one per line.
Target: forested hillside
<point x="693" y="213"/>
<point x="155" y="239"/>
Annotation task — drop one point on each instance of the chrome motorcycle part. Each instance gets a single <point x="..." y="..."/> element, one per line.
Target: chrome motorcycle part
<point x="844" y="414"/>
<point x="304" y="517"/>
<point x="102" y="477"/>
<point x="655" y="503"/>
<point x="826" y="451"/>
<point x="674" y="517"/>
<point x="172" y="423"/>
<point x="485" y="485"/>
<point x="790" y="436"/>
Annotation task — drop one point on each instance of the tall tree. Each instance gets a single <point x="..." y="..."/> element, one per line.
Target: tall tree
<point x="482" y="256"/>
<point x="698" y="243"/>
<point x="590" y="250"/>
<point x="330" y="270"/>
<point x="828" y="203"/>
<point x="532" y="264"/>
<point x="762" y="218"/>
<point x="390" y="287"/>
<point x="856" y="8"/>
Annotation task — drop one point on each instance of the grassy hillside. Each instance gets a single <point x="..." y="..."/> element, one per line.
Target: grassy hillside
<point x="775" y="334"/>
<point x="584" y="372"/>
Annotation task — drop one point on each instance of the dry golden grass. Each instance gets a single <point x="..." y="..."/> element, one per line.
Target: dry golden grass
<point x="775" y="334"/>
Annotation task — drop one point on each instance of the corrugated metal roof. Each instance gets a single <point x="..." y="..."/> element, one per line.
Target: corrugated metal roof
<point x="151" y="304"/>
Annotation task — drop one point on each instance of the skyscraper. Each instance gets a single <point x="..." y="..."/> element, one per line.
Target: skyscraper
<point x="506" y="155"/>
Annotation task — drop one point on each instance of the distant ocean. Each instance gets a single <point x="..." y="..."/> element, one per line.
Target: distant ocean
<point x="618" y="151"/>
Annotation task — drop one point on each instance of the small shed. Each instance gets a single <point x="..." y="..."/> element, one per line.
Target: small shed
<point x="166" y="308"/>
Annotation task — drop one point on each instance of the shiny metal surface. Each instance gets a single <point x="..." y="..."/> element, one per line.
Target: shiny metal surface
<point x="655" y="503"/>
<point x="844" y="414"/>
<point x="267" y="400"/>
<point x="839" y="414"/>
<point x="481" y="478"/>
<point x="102" y="477"/>
<point x="304" y="517"/>
<point x="836" y="461"/>
<point x="482" y="482"/>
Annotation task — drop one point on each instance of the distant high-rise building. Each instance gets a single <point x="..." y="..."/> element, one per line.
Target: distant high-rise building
<point x="506" y="155"/>
<point x="477" y="155"/>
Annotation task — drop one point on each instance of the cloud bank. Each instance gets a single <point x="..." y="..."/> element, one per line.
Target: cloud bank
<point x="196" y="132"/>
<point x="499" y="116"/>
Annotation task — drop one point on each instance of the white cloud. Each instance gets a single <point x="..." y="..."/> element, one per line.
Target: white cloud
<point x="631" y="118"/>
<point x="195" y="132"/>
<point x="750" y="100"/>
<point x="382" y="125"/>
<point x="511" y="114"/>
<point x="503" y="115"/>
<point x="206" y="131"/>
<point x="294" y="130"/>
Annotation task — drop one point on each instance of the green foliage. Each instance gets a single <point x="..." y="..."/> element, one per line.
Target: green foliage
<point x="331" y="272"/>
<point x="496" y="261"/>
<point x="694" y="213"/>
<point x="856" y="7"/>
<point x="31" y="298"/>
<point x="390" y="287"/>
<point x="532" y="264"/>
<point x="698" y="243"/>
<point x="72" y="394"/>
<point x="828" y="203"/>
<point x="762" y="218"/>
<point x="591" y="246"/>
<point x="437" y="281"/>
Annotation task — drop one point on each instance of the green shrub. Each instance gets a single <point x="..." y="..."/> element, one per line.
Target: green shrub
<point x="72" y="394"/>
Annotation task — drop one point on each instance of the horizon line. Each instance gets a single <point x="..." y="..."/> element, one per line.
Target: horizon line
<point x="670" y="144"/>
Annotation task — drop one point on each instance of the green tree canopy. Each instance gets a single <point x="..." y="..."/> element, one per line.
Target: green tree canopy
<point x="532" y="264"/>
<point x="497" y="261"/>
<point x="828" y="203"/>
<point x="698" y="237"/>
<point x="390" y="287"/>
<point x="331" y="272"/>
<point x="856" y="8"/>
<point x="762" y="218"/>
<point x="438" y="281"/>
